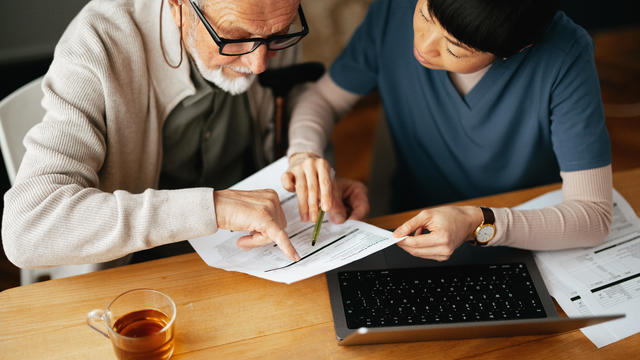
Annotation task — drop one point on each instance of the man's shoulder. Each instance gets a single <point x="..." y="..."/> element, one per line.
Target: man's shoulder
<point x="100" y="20"/>
<point x="98" y="12"/>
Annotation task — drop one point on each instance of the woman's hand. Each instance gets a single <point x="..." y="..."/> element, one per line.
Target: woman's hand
<point x="310" y="177"/>
<point x="439" y="231"/>
<point x="350" y="201"/>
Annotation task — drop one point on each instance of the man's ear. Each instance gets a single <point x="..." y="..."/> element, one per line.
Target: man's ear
<point x="176" y="8"/>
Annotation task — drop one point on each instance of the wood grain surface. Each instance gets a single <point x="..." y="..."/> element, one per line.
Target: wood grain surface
<point x="229" y="315"/>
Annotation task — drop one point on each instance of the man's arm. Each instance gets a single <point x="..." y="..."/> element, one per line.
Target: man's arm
<point x="56" y="212"/>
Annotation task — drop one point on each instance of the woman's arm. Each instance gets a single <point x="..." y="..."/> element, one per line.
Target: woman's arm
<point x="582" y="219"/>
<point x="316" y="112"/>
<point x="309" y="174"/>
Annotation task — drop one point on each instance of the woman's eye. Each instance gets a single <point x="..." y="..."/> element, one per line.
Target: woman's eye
<point x="424" y="17"/>
<point x="452" y="54"/>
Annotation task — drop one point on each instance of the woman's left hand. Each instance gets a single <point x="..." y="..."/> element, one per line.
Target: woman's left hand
<point x="439" y="231"/>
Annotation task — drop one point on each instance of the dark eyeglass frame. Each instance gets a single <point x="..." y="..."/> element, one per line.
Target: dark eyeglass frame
<point x="257" y="42"/>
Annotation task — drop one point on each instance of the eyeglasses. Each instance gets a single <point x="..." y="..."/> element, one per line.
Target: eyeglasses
<point x="236" y="47"/>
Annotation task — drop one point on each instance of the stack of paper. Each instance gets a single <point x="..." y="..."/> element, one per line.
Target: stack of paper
<point x="337" y="245"/>
<point x="600" y="280"/>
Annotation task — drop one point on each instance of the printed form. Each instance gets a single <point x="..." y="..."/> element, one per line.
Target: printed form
<point x="337" y="245"/>
<point x="601" y="280"/>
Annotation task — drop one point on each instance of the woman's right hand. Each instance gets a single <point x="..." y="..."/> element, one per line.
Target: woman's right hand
<point x="309" y="176"/>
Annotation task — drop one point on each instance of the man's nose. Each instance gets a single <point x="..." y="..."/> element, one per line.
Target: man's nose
<point x="256" y="61"/>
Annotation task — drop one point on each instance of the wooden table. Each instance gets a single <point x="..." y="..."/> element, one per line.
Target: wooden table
<point x="228" y="315"/>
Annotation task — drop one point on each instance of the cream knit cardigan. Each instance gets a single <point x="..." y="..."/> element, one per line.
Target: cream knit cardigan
<point x="85" y="191"/>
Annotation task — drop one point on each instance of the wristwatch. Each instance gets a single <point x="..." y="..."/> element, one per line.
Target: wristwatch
<point x="486" y="231"/>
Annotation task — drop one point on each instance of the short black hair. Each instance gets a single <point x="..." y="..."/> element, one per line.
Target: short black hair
<point x="501" y="27"/>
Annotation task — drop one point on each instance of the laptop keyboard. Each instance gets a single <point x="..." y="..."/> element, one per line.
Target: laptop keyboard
<point x="447" y="294"/>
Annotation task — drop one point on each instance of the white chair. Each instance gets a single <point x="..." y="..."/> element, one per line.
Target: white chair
<point x="20" y="111"/>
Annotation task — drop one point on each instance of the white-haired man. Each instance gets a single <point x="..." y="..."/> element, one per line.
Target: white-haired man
<point x="150" y="106"/>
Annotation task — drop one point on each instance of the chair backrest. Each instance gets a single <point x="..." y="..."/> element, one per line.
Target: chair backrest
<point x="19" y="112"/>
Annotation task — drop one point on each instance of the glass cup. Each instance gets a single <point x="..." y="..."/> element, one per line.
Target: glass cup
<point x="139" y="323"/>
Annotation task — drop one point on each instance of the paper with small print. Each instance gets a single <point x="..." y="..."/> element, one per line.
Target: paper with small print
<point x="600" y="280"/>
<point x="337" y="245"/>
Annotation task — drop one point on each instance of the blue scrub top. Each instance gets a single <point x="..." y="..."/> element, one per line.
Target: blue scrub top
<point x="530" y="116"/>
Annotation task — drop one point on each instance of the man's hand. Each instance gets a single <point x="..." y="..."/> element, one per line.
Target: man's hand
<point x="257" y="211"/>
<point x="310" y="177"/>
<point x="448" y="227"/>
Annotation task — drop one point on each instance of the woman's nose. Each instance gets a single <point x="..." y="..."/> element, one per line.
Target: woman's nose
<point x="427" y="44"/>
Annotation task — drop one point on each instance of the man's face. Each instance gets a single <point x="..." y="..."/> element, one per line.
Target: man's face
<point x="434" y="48"/>
<point x="234" y="19"/>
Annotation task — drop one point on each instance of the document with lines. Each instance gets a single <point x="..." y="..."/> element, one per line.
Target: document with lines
<point x="337" y="245"/>
<point x="601" y="280"/>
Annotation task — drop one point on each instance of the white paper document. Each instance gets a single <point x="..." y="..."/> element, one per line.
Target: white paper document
<point x="601" y="280"/>
<point x="337" y="245"/>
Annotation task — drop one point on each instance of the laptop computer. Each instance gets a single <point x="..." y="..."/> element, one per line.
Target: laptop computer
<point x="391" y="296"/>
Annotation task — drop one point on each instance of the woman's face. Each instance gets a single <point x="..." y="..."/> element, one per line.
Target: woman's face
<point x="436" y="49"/>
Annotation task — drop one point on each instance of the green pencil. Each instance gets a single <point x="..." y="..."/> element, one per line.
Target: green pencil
<point x="316" y="229"/>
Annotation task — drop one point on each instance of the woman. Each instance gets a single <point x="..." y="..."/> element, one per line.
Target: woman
<point x="481" y="97"/>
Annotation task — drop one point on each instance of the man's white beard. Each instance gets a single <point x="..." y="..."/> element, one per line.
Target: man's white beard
<point x="234" y="86"/>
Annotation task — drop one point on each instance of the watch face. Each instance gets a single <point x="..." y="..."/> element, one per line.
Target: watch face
<point x="485" y="233"/>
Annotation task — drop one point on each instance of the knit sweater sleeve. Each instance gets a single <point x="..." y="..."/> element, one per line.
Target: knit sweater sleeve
<point x="315" y="113"/>
<point x="57" y="212"/>
<point x="582" y="219"/>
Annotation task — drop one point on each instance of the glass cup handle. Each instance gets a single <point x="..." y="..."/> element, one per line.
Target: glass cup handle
<point x="95" y="316"/>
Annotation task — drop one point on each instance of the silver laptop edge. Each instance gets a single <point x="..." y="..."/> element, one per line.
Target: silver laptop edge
<point x="395" y="257"/>
<point x="471" y="330"/>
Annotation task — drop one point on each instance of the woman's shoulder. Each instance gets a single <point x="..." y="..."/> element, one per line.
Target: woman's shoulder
<point x="564" y="37"/>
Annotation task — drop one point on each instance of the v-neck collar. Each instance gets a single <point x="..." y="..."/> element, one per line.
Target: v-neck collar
<point x="474" y="96"/>
<point x="466" y="82"/>
<point x="484" y="85"/>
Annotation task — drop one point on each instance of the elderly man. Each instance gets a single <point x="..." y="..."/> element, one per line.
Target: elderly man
<point x="150" y="106"/>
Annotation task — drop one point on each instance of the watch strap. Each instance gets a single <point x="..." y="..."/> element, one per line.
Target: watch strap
<point x="488" y="219"/>
<point x="487" y="214"/>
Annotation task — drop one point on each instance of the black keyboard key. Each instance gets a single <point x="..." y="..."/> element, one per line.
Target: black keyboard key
<point x="447" y="294"/>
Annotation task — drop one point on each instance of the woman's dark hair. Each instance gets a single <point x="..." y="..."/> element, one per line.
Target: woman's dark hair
<point x="501" y="27"/>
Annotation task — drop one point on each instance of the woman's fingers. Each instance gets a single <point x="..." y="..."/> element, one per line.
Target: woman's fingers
<point x="338" y="213"/>
<point x="439" y="253"/>
<point x="356" y="197"/>
<point x="288" y="181"/>
<point x="411" y="225"/>
<point x="326" y="185"/>
<point x="311" y="175"/>
<point x="301" y="192"/>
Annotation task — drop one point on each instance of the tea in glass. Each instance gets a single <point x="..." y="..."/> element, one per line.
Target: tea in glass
<point x="139" y="323"/>
<point x="147" y="327"/>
